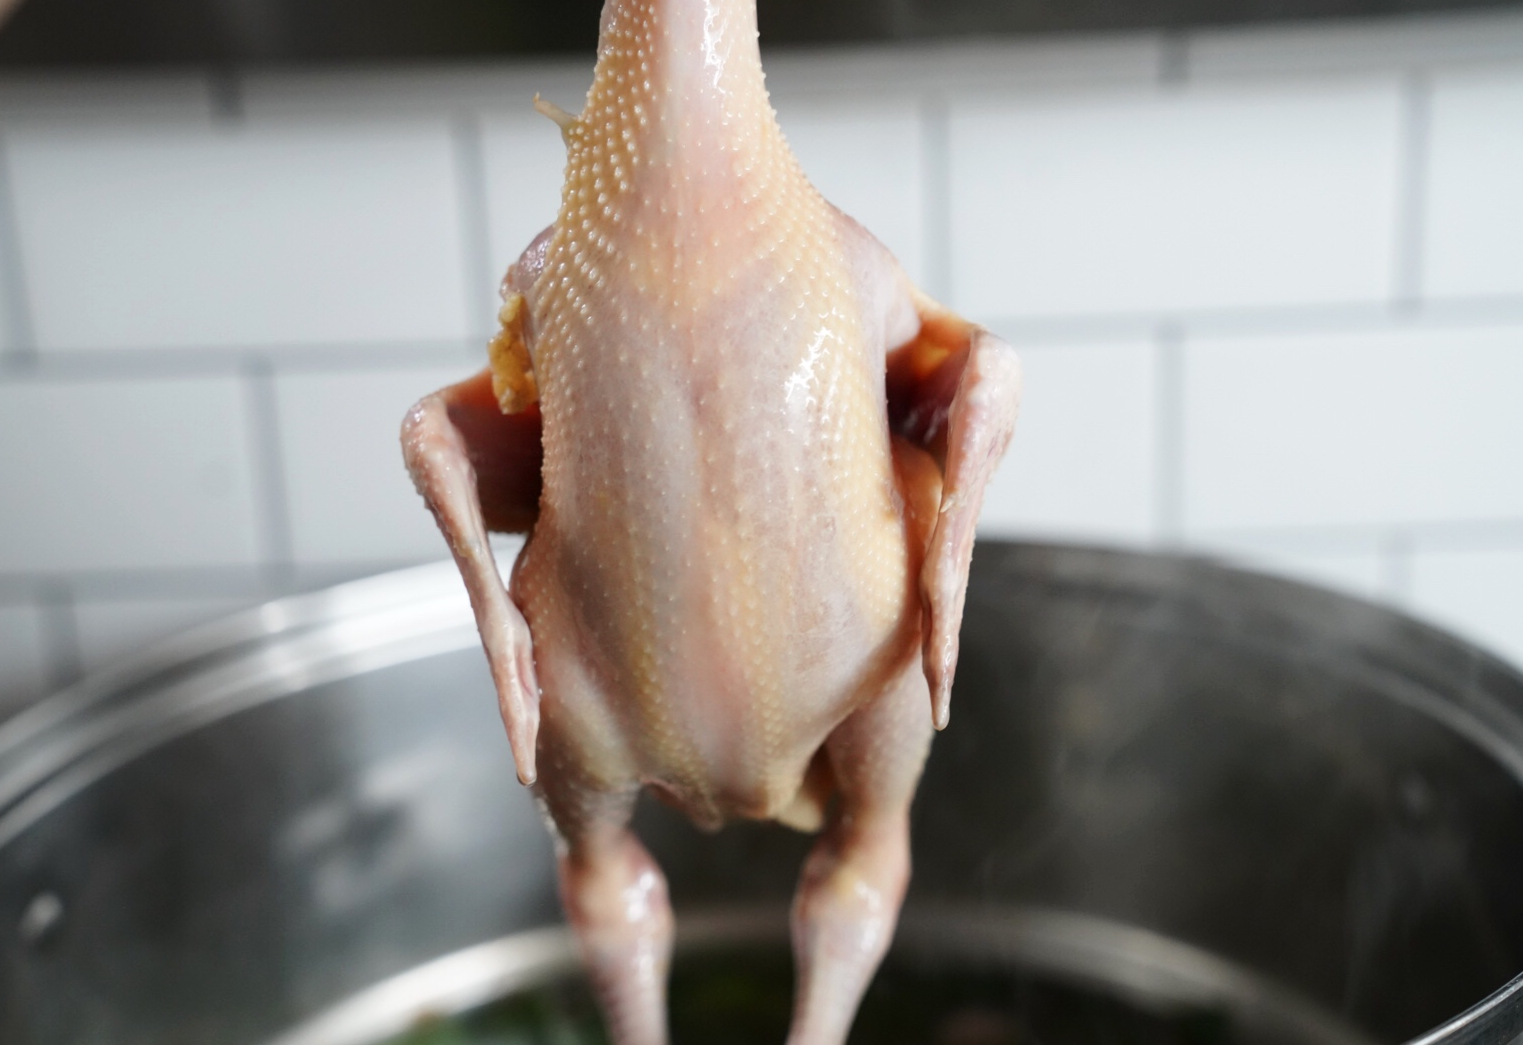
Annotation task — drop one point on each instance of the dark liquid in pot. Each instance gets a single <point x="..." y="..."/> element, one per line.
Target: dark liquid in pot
<point x="743" y="997"/>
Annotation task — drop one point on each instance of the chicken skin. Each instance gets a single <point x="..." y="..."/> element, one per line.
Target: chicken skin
<point x="749" y="456"/>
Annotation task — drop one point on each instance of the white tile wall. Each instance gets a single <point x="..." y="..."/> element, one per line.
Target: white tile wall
<point x="182" y="236"/>
<point x="1477" y="592"/>
<point x="119" y="475"/>
<point x="109" y="629"/>
<point x="23" y="670"/>
<point x="1267" y="286"/>
<point x="525" y="161"/>
<point x="349" y="495"/>
<point x="864" y="156"/>
<point x="1084" y="463"/>
<point x="1474" y="226"/>
<point x="1398" y="427"/>
<point x="1157" y="201"/>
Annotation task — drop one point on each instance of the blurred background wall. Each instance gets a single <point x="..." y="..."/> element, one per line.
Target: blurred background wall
<point x="1267" y="283"/>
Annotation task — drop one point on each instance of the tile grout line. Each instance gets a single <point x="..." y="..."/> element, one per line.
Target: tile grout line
<point x="936" y="194"/>
<point x="224" y="92"/>
<point x="271" y="497"/>
<point x="1168" y="440"/>
<point x="1023" y="330"/>
<point x="1396" y="568"/>
<point x="148" y="363"/>
<point x="196" y="582"/>
<point x="60" y="634"/>
<point x="1174" y="59"/>
<point x="1412" y="192"/>
<point x="1349" y="317"/>
<point x="466" y="141"/>
<point x="13" y="283"/>
<point x="1452" y="535"/>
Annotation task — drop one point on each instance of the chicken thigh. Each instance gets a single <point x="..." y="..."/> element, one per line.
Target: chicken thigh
<point x="749" y="457"/>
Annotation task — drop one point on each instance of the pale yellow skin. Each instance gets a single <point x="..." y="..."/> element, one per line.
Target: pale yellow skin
<point x="744" y="577"/>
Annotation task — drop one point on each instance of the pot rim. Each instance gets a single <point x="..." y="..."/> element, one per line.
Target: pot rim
<point x="65" y="741"/>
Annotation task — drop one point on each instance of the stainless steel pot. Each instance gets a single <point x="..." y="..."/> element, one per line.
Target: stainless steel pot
<point x="1178" y="781"/>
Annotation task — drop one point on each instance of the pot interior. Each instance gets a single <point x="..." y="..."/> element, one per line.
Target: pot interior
<point x="1176" y="803"/>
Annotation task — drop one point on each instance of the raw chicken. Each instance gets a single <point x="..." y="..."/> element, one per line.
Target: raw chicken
<point x="749" y="456"/>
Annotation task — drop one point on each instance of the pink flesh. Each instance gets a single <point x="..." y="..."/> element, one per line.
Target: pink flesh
<point x="735" y="561"/>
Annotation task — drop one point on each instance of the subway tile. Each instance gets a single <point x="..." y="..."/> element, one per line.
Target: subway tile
<point x="1353" y="566"/>
<point x="525" y="162"/>
<point x="1081" y="465"/>
<point x="350" y="496"/>
<point x="1478" y="593"/>
<point x="110" y="629"/>
<point x="124" y="475"/>
<point x="1160" y="201"/>
<point x="23" y="659"/>
<point x="269" y="234"/>
<point x="1402" y="427"/>
<point x="865" y="157"/>
<point x="1473" y="238"/>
